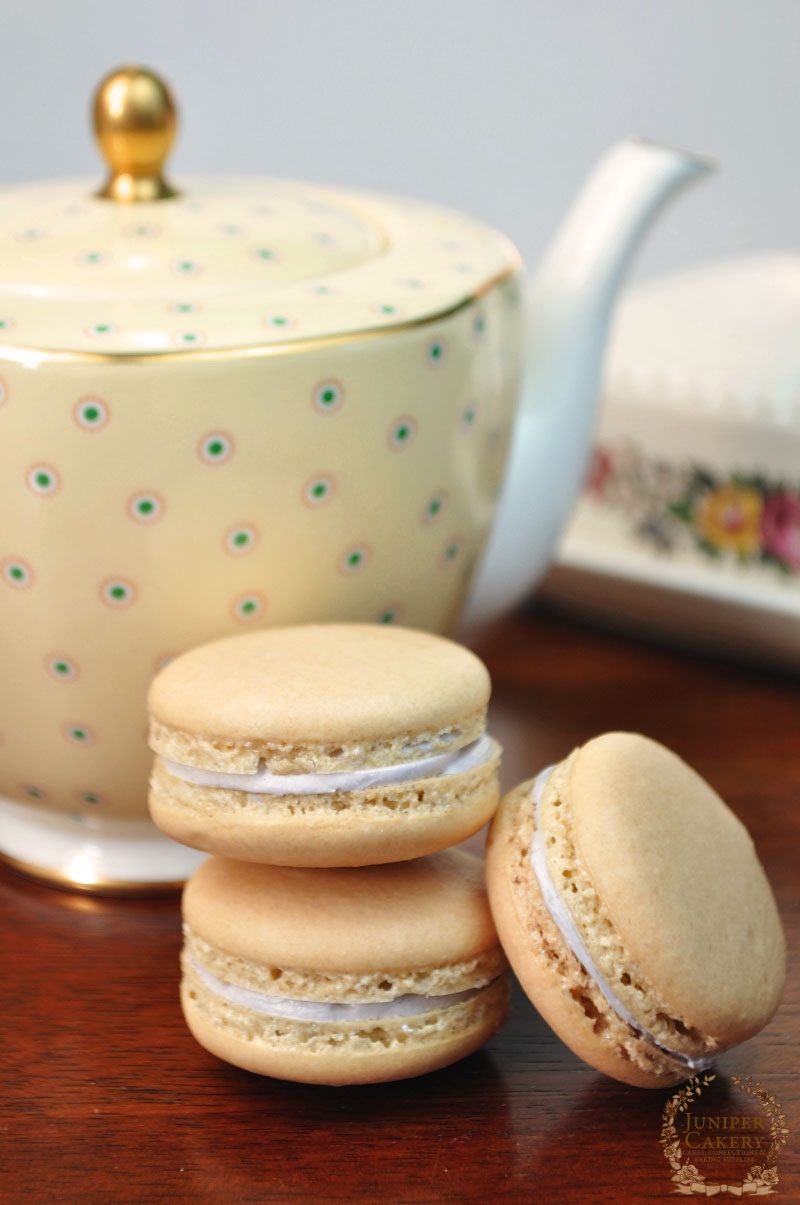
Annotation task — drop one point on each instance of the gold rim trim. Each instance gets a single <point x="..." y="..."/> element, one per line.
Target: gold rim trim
<point x="22" y="354"/>
<point x="57" y="878"/>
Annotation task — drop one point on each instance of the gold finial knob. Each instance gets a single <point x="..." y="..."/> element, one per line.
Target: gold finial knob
<point x="134" y="123"/>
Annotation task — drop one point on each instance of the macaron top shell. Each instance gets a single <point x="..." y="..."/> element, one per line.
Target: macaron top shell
<point x="418" y="914"/>
<point x="665" y="887"/>
<point x="632" y="906"/>
<point x="318" y="697"/>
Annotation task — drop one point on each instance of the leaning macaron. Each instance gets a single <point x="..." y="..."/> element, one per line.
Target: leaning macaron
<point x="634" y="911"/>
<point x="342" y="976"/>
<point x="323" y="745"/>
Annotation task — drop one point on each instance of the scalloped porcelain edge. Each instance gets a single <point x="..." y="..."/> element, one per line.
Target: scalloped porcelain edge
<point x="719" y="338"/>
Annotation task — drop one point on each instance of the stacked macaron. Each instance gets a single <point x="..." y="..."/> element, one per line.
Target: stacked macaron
<point x="334" y="937"/>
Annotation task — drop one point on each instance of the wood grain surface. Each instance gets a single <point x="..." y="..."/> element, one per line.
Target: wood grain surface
<point x="105" y="1097"/>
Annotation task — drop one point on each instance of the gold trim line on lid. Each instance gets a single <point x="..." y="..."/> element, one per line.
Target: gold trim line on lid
<point x="134" y="123"/>
<point x="32" y="357"/>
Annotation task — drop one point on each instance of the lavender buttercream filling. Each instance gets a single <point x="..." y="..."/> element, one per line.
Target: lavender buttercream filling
<point x="262" y="782"/>
<point x="318" y="1010"/>
<point x="564" y="922"/>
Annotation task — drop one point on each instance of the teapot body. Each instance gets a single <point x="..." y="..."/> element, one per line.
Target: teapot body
<point x="151" y="503"/>
<point x="256" y="402"/>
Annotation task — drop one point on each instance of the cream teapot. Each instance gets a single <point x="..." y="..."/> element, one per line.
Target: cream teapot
<point x="240" y="402"/>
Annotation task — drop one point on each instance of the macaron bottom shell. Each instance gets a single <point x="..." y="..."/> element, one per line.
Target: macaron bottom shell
<point x="337" y="1053"/>
<point x="355" y="828"/>
<point x="562" y="991"/>
<point x="342" y="976"/>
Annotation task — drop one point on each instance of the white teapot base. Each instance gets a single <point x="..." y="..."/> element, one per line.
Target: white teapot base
<point x="79" y="853"/>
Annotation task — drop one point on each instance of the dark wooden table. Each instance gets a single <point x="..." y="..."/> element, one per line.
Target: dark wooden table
<point x="105" y="1097"/>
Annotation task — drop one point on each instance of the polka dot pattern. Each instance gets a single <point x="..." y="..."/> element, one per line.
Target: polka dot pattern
<point x="273" y="490"/>
<point x="319" y="490"/>
<point x="91" y="258"/>
<point x="216" y="447"/>
<point x="33" y="793"/>
<point x="186" y="267"/>
<point x="241" y="539"/>
<point x="145" y="507"/>
<point x="63" y="669"/>
<point x="118" y="593"/>
<point x="16" y="573"/>
<point x="402" y="432"/>
<point x="328" y="397"/>
<point x="248" y="607"/>
<point x="354" y="560"/>
<point x="189" y="338"/>
<point x="143" y="230"/>
<point x="91" y="798"/>
<point x="434" y="506"/>
<point x="42" y="479"/>
<point x="452" y="550"/>
<point x="91" y="414"/>
<point x="261" y="260"/>
<point x="78" y="734"/>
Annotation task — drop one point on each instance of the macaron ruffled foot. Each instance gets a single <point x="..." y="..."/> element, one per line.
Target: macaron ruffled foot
<point x="323" y="745"/>
<point x="342" y="976"/>
<point x="633" y="908"/>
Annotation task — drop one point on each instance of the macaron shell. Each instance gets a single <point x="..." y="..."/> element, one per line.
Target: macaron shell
<point x="344" y="936"/>
<point x="321" y="684"/>
<point x="676" y="875"/>
<point x="548" y="972"/>
<point x="356" y="828"/>
<point x="374" y="918"/>
<point x="376" y="1052"/>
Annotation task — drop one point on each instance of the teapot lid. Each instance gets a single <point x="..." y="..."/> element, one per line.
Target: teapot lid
<point x="143" y="268"/>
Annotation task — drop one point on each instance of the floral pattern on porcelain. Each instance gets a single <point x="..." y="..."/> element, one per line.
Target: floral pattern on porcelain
<point x="740" y="516"/>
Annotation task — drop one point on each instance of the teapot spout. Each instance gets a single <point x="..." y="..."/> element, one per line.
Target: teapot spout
<point x="570" y="303"/>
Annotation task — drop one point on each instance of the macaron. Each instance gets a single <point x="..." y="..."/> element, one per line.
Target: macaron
<point x="342" y="976"/>
<point x="634" y="910"/>
<point x="323" y="745"/>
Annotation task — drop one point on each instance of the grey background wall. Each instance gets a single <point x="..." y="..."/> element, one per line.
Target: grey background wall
<point x="495" y="106"/>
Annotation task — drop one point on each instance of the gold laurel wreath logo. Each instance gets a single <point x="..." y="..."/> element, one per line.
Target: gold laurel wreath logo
<point x="761" y="1177"/>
